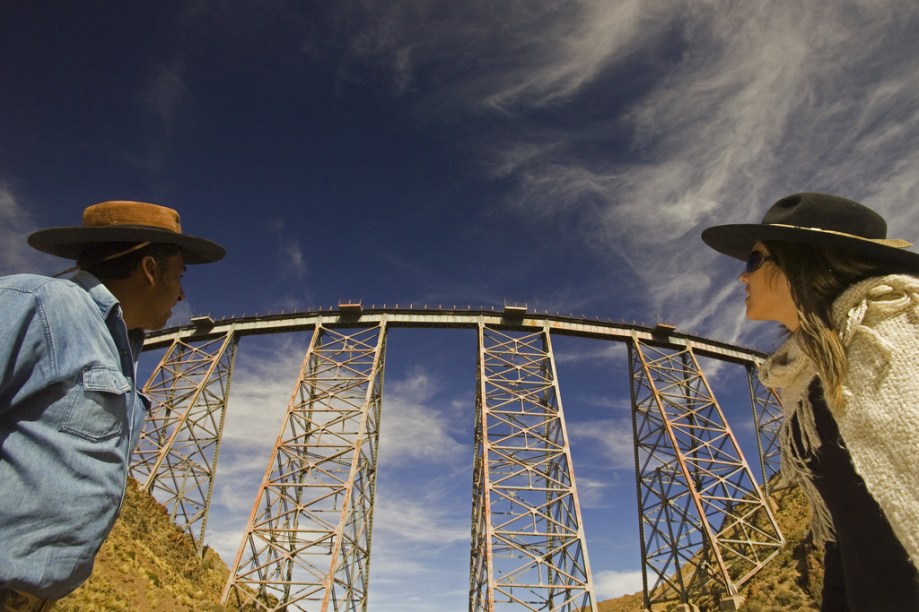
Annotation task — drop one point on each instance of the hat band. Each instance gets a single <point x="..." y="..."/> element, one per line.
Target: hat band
<point x="136" y="247"/>
<point x="890" y="242"/>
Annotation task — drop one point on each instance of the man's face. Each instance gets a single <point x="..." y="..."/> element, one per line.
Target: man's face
<point x="165" y="292"/>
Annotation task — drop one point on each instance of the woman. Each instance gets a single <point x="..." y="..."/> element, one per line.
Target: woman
<point x="848" y="376"/>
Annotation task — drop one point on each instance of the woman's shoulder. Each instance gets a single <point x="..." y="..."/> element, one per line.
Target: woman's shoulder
<point x="879" y="296"/>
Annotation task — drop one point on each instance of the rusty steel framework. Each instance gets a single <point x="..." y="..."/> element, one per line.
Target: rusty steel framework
<point x="176" y="456"/>
<point x="528" y="546"/>
<point x="702" y="515"/>
<point x="307" y="545"/>
<point x="767" y="416"/>
<point x="308" y="540"/>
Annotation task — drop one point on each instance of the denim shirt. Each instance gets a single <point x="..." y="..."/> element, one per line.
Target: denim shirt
<point x="70" y="417"/>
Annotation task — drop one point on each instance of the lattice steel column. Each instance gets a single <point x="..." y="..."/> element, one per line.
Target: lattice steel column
<point x="701" y="515"/>
<point x="307" y="544"/>
<point x="528" y="545"/>
<point x="176" y="456"/>
<point x="767" y="414"/>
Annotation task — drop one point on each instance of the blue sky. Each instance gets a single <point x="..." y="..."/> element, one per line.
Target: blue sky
<point x="566" y="155"/>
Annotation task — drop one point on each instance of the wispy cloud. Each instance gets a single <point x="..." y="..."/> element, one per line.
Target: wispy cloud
<point x="738" y="108"/>
<point x="420" y="524"/>
<point x="598" y="352"/>
<point x="414" y="428"/>
<point x="166" y="92"/>
<point x="293" y="262"/>
<point x="181" y="313"/>
<point x="610" y="583"/>
<point x="15" y="226"/>
<point x="554" y="51"/>
<point x="756" y="106"/>
<point x="163" y="98"/>
<point x="612" y="438"/>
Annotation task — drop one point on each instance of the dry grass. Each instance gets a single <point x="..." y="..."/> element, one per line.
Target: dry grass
<point x="791" y="581"/>
<point x="147" y="563"/>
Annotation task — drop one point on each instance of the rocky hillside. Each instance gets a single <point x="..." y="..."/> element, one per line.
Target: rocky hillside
<point x="791" y="581"/>
<point x="149" y="564"/>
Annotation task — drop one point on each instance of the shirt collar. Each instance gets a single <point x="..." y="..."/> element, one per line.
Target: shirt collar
<point x="108" y="305"/>
<point x="100" y="294"/>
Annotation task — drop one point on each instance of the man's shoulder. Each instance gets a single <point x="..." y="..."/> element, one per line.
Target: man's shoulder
<point x="40" y="287"/>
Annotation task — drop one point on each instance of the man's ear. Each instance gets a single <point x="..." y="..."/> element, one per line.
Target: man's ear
<point x="149" y="268"/>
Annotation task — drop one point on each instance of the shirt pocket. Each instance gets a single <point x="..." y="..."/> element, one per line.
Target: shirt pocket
<point x="98" y="405"/>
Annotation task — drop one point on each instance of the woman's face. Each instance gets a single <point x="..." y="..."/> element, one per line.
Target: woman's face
<point x="768" y="292"/>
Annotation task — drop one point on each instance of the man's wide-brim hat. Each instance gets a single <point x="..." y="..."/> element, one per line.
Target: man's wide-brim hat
<point x="819" y="219"/>
<point x="130" y="222"/>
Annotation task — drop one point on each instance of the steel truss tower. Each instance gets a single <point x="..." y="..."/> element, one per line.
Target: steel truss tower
<point x="702" y="515"/>
<point x="308" y="538"/>
<point x="528" y="547"/>
<point x="307" y="543"/>
<point x="176" y="457"/>
<point x="767" y="414"/>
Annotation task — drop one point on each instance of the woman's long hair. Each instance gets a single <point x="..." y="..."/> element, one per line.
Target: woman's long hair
<point x="817" y="276"/>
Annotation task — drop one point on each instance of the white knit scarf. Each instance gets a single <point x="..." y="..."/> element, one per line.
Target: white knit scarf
<point x="878" y="323"/>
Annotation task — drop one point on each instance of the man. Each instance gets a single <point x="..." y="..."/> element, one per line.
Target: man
<point x="70" y="412"/>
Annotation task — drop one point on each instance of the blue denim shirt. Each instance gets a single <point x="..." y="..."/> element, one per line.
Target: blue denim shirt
<point x="70" y="417"/>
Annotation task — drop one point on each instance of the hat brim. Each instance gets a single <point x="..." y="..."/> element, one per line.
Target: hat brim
<point x="69" y="242"/>
<point x="737" y="241"/>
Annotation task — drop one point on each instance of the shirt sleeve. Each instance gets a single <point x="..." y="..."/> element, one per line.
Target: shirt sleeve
<point x="26" y="362"/>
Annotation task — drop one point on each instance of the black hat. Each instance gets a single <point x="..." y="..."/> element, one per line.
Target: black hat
<point x="122" y="221"/>
<point x="819" y="219"/>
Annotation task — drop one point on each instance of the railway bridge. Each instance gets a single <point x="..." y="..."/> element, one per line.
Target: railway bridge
<point x="703" y="512"/>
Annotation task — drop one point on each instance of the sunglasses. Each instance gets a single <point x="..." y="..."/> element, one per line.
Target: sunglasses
<point x="756" y="260"/>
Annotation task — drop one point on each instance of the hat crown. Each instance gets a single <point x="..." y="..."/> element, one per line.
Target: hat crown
<point x="827" y="212"/>
<point x="139" y="214"/>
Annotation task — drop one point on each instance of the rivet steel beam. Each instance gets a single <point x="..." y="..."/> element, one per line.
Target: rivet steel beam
<point x="528" y="546"/>
<point x="702" y="516"/>
<point x="307" y="543"/>
<point x="176" y="456"/>
<point x="767" y="415"/>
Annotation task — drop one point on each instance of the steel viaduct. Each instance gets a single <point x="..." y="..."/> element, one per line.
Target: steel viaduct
<point x="704" y="516"/>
